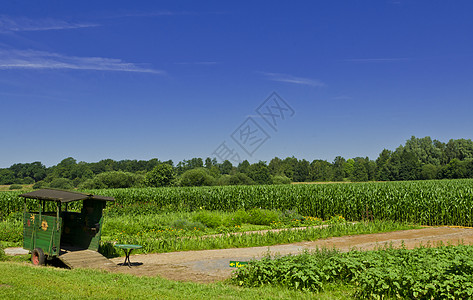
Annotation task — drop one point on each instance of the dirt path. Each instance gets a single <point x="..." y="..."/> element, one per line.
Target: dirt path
<point x="213" y="265"/>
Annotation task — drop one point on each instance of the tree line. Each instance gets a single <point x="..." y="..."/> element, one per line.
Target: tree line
<point x="417" y="159"/>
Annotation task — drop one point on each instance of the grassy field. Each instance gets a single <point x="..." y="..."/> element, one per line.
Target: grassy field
<point x="20" y="281"/>
<point x="26" y="187"/>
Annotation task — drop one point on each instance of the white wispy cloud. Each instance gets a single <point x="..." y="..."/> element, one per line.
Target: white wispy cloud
<point x="9" y="24"/>
<point x="31" y="59"/>
<point x="292" y="79"/>
<point x="376" y="60"/>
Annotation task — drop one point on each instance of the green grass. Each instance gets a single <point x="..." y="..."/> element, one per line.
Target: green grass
<point x="20" y="281"/>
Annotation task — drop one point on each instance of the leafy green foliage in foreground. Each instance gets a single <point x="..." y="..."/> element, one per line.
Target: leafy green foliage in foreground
<point x="423" y="273"/>
<point x="19" y="281"/>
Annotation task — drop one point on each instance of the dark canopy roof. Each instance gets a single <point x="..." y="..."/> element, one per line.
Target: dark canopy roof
<point x="63" y="196"/>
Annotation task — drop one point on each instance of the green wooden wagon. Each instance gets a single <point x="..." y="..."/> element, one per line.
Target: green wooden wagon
<point x="51" y="234"/>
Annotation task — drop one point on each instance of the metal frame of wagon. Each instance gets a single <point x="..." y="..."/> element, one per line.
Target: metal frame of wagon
<point x="47" y="242"/>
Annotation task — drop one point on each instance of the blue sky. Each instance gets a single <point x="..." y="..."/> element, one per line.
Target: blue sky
<point x="175" y="79"/>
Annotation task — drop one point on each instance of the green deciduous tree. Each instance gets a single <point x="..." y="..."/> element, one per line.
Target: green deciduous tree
<point x="425" y="150"/>
<point x="301" y="171"/>
<point x="7" y="176"/>
<point x="226" y="167"/>
<point x="321" y="170"/>
<point x="339" y="168"/>
<point x="259" y="172"/>
<point x="161" y="175"/>
<point x="274" y="166"/>
<point x="243" y="166"/>
<point x="455" y="169"/>
<point x="382" y="170"/>
<point x="348" y="167"/>
<point x="361" y="169"/>
<point x="460" y="149"/>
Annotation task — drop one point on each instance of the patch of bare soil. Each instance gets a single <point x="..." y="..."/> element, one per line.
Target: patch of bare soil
<point x="213" y="265"/>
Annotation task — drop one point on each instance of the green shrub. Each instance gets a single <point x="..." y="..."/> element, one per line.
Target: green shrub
<point x="236" y="179"/>
<point x="197" y="177"/>
<point x="289" y="215"/>
<point x="15" y="187"/>
<point x="61" y="183"/>
<point x="240" y="179"/>
<point x="118" y="179"/>
<point x="91" y="184"/>
<point x="260" y="216"/>
<point x="188" y="225"/>
<point x="208" y="218"/>
<point x="113" y="180"/>
<point x="237" y="218"/>
<point x="223" y="180"/>
<point x="281" y="180"/>
<point x="40" y="185"/>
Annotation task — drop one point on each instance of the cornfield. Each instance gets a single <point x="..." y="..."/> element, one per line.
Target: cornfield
<point x="442" y="202"/>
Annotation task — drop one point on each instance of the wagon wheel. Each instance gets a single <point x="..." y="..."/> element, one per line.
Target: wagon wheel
<point x="38" y="257"/>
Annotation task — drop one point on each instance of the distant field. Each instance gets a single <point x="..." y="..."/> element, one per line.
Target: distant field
<point x="7" y="187"/>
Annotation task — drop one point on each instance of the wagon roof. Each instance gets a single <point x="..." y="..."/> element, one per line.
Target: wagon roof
<point x="63" y="196"/>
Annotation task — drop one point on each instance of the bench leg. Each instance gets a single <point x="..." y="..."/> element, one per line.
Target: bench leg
<point x="127" y="257"/>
